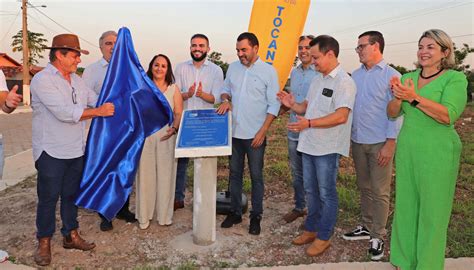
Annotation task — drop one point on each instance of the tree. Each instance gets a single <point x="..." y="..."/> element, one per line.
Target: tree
<point x="215" y="57"/>
<point x="36" y="45"/>
<point x="400" y="69"/>
<point x="459" y="57"/>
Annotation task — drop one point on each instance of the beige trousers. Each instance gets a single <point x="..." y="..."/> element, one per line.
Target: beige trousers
<point x="374" y="185"/>
<point x="156" y="180"/>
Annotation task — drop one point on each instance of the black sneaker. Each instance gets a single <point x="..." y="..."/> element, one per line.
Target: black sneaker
<point x="254" y="227"/>
<point x="231" y="220"/>
<point x="106" y="225"/>
<point x="359" y="233"/>
<point x="127" y="216"/>
<point x="376" y="249"/>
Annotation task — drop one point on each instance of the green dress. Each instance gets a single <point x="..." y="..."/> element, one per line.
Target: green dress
<point x="427" y="164"/>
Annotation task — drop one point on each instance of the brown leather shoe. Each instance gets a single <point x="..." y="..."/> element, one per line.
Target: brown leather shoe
<point x="74" y="240"/>
<point x="43" y="252"/>
<point x="178" y="205"/>
<point x="318" y="247"/>
<point x="305" y="238"/>
<point x="293" y="215"/>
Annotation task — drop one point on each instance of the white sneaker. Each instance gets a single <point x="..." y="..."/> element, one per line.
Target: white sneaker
<point x="376" y="249"/>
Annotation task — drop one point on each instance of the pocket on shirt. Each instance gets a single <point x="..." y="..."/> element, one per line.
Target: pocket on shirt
<point x="325" y="104"/>
<point x="260" y="88"/>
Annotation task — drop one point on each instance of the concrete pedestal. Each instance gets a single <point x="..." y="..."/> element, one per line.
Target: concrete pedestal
<point x="204" y="202"/>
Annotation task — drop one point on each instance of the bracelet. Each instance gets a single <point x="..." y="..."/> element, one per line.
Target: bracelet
<point x="6" y="106"/>
<point x="175" y="129"/>
<point x="309" y="123"/>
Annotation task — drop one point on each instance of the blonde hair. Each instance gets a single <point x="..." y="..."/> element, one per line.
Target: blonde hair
<point x="445" y="42"/>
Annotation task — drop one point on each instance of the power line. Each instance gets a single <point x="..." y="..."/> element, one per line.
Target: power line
<point x="38" y="20"/>
<point x="403" y="17"/>
<point x="10" y="27"/>
<point x="63" y="27"/>
<point x="411" y="42"/>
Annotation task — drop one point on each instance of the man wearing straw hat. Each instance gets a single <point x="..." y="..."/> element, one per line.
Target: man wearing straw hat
<point x="60" y="103"/>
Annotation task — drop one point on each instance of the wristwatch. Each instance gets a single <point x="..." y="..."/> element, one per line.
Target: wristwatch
<point x="414" y="102"/>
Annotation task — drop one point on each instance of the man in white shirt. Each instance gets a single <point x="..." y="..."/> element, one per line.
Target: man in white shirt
<point x="324" y="136"/>
<point x="200" y="82"/>
<point x="9" y="100"/>
<point x="94" y="76"/>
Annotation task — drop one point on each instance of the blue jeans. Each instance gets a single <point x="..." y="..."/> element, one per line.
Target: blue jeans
<point x="240" y="148"/>
<point x="296" y="164"/>
<point x="319" y="174"/>
<point x="181" y="179"/>
<point x="57" y="178"/>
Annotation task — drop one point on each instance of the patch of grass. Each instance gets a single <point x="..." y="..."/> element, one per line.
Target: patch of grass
<point x="460" y="242"/>
<point x="247" y="185"/>
<point x="188" y="265"/>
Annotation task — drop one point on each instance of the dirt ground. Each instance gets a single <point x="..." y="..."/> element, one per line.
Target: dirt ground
<point x="126" y="246"/>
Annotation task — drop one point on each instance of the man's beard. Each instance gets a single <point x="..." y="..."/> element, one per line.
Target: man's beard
<point x="199" y="59"/>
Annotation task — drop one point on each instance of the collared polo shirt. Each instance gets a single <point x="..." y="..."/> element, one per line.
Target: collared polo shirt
<point x="209" y="74"/>
<point x="324" y="141"/>
<point x="371" y="124"/>
<point x="57" y="128"/>
<point x="253" y="90"/>
<point x="300" y="80"/>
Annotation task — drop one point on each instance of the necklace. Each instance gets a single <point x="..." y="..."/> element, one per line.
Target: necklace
<point x="431" y="76"/>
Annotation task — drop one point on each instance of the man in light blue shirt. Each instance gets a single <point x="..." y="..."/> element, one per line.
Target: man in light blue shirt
<point x="373" y="141"/>
<point x="60" y="101"/>
<point x="249" y="91"/>
<point x="300" y="79"/>
<point x="200" y="82"/>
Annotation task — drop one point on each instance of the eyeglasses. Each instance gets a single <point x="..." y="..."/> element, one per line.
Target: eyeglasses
<point x="303" y="47"/>
<point x="74" y="96"/>
<point x="360" y="47"/>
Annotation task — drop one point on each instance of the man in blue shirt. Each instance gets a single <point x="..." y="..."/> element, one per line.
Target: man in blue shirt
<point x="252" y="85"/>
<point x="60" y="101"/>
<point x="373" y="141"/>
<point x="300" y="79"/>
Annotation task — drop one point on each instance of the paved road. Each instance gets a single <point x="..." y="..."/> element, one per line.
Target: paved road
<point x="16" y="131"/>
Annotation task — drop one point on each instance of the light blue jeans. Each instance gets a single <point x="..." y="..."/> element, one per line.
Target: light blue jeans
<point x="296" y="164"/>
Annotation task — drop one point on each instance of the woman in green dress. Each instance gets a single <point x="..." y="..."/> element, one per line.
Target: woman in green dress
<point x="431" y="99"/>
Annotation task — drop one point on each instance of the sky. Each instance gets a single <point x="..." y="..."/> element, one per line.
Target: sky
<point x="166" y="26"/>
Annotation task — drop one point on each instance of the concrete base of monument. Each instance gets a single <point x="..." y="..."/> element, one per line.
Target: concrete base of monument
<point x="184" y="242"/>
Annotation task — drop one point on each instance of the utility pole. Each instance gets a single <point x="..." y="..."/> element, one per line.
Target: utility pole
<point x="26" y="50"/>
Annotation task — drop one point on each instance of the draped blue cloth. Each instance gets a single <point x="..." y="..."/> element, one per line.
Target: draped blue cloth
<point x="115" y="143"/>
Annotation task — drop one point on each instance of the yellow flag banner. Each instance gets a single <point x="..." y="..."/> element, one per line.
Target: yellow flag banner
<point x="278" y="24"/>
